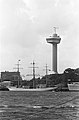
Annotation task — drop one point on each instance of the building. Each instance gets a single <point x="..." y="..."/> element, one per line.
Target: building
<point x="10" y="76"/>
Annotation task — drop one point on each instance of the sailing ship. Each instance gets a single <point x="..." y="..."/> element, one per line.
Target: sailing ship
<point x="33" y="89"/>
<point x="11" y="88"/>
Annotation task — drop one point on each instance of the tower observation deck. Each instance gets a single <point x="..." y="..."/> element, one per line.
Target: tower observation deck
<point x="54" y="40"/>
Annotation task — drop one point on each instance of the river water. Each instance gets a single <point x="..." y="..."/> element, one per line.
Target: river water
<point x="39" y="105"/>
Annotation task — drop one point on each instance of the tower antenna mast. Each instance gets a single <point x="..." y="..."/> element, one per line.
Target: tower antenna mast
<point x="55" y="28"/>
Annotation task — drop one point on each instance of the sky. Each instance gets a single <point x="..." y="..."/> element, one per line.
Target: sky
<point x="24" y="27"/>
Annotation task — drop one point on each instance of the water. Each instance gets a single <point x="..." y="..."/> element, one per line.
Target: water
<point x="39" y="105"/>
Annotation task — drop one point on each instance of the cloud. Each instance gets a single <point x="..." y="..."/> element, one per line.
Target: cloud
<point x="19" y="29"/>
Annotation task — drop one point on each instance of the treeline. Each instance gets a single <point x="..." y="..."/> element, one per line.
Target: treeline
<point x="69" y="75"/>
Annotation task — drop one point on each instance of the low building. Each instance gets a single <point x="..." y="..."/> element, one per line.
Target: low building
<point x="10" y="76"/>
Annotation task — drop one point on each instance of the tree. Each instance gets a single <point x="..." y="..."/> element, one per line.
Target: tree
<point x="69" y="74"/>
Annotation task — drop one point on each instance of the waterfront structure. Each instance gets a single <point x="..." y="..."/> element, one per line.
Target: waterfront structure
<point x="54" y="40"/>
<point x="74" y="86"/>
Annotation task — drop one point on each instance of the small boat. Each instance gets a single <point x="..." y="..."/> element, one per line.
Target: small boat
<point x="33" y="89"/>
<point x="3" y="87"/>
<point x="73" y="86"/>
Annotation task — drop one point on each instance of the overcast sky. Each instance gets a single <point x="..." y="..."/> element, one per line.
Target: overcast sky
<point x="24" y="27"/>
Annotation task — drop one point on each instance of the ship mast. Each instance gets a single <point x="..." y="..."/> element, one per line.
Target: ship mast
<point x="18" y="66"/>
<point x="33" y="67"/>
<point x="46" y="69"/>
<point x="18" y="70"/>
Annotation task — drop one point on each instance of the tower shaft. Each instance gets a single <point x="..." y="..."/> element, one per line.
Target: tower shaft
<point x="54" y="57"/>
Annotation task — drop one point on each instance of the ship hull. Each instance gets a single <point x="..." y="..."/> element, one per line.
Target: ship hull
<point x="73" y="86"/>
<point x="37" y="89"/>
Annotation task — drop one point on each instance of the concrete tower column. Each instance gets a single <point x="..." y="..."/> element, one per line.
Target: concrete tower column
<point x="54" y="57"/>
<point x="54" y="40"/>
